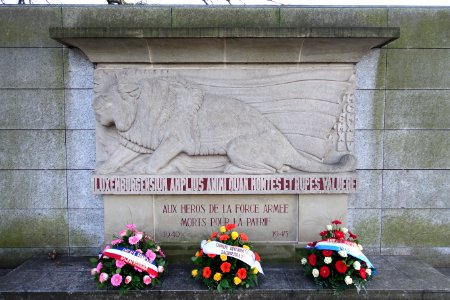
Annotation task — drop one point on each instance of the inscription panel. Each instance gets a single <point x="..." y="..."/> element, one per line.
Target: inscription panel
<point x="187" y="218"/>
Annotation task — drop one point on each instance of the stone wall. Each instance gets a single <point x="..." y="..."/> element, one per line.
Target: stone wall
<point x="47" y="149"/>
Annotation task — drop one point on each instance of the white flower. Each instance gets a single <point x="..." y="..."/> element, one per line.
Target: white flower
<point x="360" y="247"/>
<point x="369" y="271"/>
<point x="328" y="260"/>
<point x="303" y="261"/>
<point x="160" y="269"/>
<point x="128" y="279"/>
<point x="315" y="273"/>
<point x="348" y="280"/>
<point x="329" y="227"/>
<point x="342" y="253"/>
<point x="356" y="265"/>
<point x="93" y="271"/>
<point x="344" y="230"/>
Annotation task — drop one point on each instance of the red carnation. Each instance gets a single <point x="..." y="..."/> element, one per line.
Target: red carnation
<point x="242" y="273"/>
<point x="312" y="259"/>
<point x="206" y="272"/>
<point x="327" y="253"/>
<point x="324" y="272"/>
<point x="243" y="236"/>
<point x="336" y="222"/>
<point x="213" y="235"/>
<point x="353" y="236"/>
<point x="341" y="267"/>
<point x="323" y="233"/>
<point x="228" y="227"/>
<point x="339" y="234"/>
<point x="211" y="255"/>
<point x="362" y="273"/>
<point x="225" y="267"/>
<point x="313" y="244"/>
<point x="257" y="257"/>
<point x="224" y="237"/>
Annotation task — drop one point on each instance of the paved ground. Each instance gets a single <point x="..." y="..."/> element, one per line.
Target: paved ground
<point x="69" y="278"/>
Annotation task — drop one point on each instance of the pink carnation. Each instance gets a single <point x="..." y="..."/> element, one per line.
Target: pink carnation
<point x="116" y="280"/>
<point x="150" y="255"/>
<point x="131" y="226"/>
<point x="103" y="277"/>
<point x="99" y="267"/>
<point x="123" y="233"/>
<point x="120" y="263"/>
<point x="147" y="280"/>
<point x="140" y="235"/>
<point x="116" y="241"/>
<point x="133" y="240"/>
<point x="139" y="250"/>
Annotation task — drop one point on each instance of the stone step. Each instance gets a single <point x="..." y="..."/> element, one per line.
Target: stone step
<point x="69" y="278"/>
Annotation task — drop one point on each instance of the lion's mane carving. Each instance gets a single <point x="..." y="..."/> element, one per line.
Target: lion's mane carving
<point x="167" y="118"/>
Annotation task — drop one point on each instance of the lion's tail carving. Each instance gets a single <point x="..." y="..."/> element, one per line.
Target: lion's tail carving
<point x="303" y="163"/>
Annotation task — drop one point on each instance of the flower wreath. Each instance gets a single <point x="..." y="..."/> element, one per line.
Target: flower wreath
<point x="337" y="261"/>
<point x="131" y="261"/>
<point x="227" y="261"/>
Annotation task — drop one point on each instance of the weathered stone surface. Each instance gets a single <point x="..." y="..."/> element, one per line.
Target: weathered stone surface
<point x="366" y="224"/>
<point x="80" y="149"/>
<point x="78" y="109"/>
<point x="371" y="70"/>
<point x="421" y="27"/>
<point x="263" y="50"/>
<point x="418" y="69"/>
<point x="416" y="189"/>
<point x="85" y="227"/>
<point x="436" y="256"/>
<point x="79" y="190"/>
<point x="326" y="16"/>
<point x="31" y="109"/>
<point x="110" y="16"/>
<point x="33" y="228"/>
<point x="32" y="149"/>
<point x="425" y="149"/>
<point x="224" y="17"/>
<point x="369" y="109"/>
<point x="23" y="189"/>
<point x="26" y="26"/>
<point x="415" y="228"/>
<point x="417" y="109"/>
<point x="369" y="193"/>
<point x="16" y="63"/>
<point x="78" y="70"/>
<point x="13" y="257"/>
<point x="369" y="149"/>
<point x="85" y="251"/>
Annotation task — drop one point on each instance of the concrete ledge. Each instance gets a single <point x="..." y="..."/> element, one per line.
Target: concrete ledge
<point x="69" y="278"/>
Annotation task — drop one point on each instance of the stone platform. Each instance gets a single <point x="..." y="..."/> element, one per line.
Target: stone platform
<point x="400" y="277"/>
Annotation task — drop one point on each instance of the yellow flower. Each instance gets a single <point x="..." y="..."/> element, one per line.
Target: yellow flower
<point x="223" y="229"/>
<point x="217" y="276"/>
<point x="208" y="241"/>
<point x="194" y="273"/>
<point x="234" y="235"/>
<point x="223" y="257"/>
<point x="237" y="280"/>
<point x="246" y="247"/>
<point x="255" y="271"/>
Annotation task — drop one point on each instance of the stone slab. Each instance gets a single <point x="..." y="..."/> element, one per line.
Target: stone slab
<point x="371" y="70"/>
<point x="31" y="109"/>
<point x="418" y="69"/>
<point x="416" y="189"/>
<point x="434" y="143"/>
<point x="85" y="227"/>
<point x="417" y="109"/>
<point x="13" y="257"/>
<point x="435" y="256"/>
<point x="80" y="149"/>
<point x="32" y="149"/>
<point x="79" y="192"/>
<point x="16" y="63"/>
<point x="366" y="224"/>
<point x="369" y="193"/>
<point x="78" y="70"/>
<point x="78" y="109"/>
<point x="370" y="109"/>
<point x="369" y="149"/>
<point x="68" y="278"/>
<point x="23" y="189"/>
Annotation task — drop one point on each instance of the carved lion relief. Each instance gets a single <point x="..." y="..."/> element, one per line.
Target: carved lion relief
<point x="250" y="121"/>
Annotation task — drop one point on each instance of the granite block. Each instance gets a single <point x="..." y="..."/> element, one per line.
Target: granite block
<point x="435" y="256"/>
<point x="78" y="109"/>
<point x="33" y="189"/>
<point x="80" y="149"/>
<point x="366" y="224"/>
<point x="417" y="109"/>
<point x="78" y="70"/>
<point x="416" y="189"/>
<point x="415" y="228"/>
<point x="421" y="27"/>
<point x="32" y="149"/>
<point x="85" y="227"/>
<point x="418" y="69"/>
<point x="79" y="190"/>
<point x="225" y="17"/>
<point x="16" y="65"/>
<point x="332" y="16"/>
<point x="369" y="109"/>
<point x="31" y="109"/>
<point x="14" y="257"/>
<point x="417" y="149"/>
<point x="371" y="70"/>
<point x="27" y="26"/>
<point x="369" y="149"/>
<point x="20" y="228"/>
<point x="369" y="193"/>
